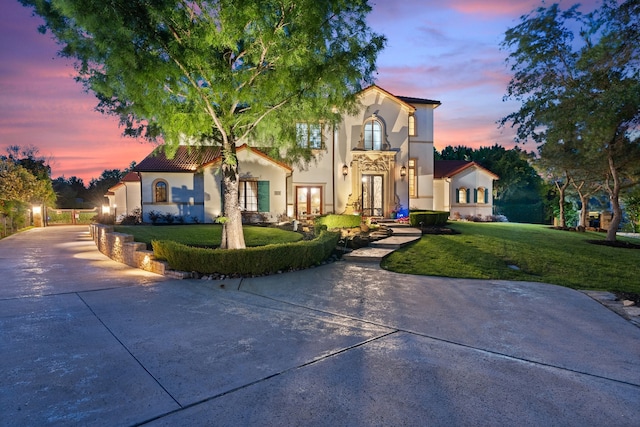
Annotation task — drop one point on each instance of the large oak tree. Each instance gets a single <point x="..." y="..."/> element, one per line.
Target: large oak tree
<point x="219" y="70"/>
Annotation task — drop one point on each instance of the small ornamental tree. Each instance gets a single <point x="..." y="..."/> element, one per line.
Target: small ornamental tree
<point x="218" y="71"/>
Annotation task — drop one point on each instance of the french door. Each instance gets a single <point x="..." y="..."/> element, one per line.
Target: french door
<point x="308" y="202"/>
<point x="372" y="195"/>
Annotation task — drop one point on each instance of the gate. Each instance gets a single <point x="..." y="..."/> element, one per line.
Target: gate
<point x="70" y="216"/>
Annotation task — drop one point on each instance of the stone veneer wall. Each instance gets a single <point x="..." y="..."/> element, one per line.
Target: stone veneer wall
<point x="121" y="247"/>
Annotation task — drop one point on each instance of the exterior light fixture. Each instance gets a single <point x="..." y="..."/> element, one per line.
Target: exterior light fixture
<point x="37" y="209"/>
<point x="345" y="171"/>
<point x="403" y="172"/>
<point x="105" y="209"/>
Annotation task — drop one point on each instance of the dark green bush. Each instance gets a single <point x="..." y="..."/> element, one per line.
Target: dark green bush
<point x="333" y="222"/>
<point x="428" y="218"/>
<point x="250" y="261"/>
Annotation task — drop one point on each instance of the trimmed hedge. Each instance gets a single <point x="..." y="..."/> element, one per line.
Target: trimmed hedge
<point x="333" y="221"/>
<point x="250" y="261"/>
<point x="428" y="218"/>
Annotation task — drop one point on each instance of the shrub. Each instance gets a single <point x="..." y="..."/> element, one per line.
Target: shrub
<point x="105" y="219"/>
<point x="333" y="222"/>
<point x="250" y="261"/>
<point x="428" y="218"/>
<point x="154" y="216"/>
<point x="169" y="218"/>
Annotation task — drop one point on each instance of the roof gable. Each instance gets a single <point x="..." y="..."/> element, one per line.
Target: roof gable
<point x="257" y="152"/>
<point x="450" y="168"/>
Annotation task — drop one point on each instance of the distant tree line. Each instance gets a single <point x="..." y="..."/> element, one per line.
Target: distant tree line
<point x="24" y="181"/>
<point x="73" y="193"/>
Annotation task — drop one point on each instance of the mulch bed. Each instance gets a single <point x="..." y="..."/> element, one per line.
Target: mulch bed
<point x="628" y="296"/>
<point x="438" y="230"/>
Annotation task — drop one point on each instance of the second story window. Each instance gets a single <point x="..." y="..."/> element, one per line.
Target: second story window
<point x="309" y="135"/>
<point x="372" y="135"/>
<point x="412" y="125"/>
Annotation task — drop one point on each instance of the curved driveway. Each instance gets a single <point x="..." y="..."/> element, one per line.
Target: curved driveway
<point x="87" y="341"/>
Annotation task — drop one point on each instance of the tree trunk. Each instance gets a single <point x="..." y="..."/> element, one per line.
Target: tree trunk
<point x="584" y="212"/>
<point x="614" y="198"/>
<point x="562" y="189"/>
<point x="232" y="234"/>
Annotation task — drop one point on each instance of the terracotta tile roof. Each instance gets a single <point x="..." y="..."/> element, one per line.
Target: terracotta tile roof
<point x="131" y="177"/>
<point x="185" y="159"/>
<point x="449" y="168"/>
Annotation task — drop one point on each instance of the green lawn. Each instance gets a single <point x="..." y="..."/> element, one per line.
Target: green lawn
<point x="542" y="254"/>
<point x="206" y="234"/>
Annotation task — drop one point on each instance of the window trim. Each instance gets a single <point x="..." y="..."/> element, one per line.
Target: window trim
<point x="460" y="191"/>
<point x="242" y="191"/>
<point x="371" y="121"/>
<point x="306" y="142"/>
<point x="412" y="177"/>
<point x="154" y="189"/>
<point x="413" y="128"/>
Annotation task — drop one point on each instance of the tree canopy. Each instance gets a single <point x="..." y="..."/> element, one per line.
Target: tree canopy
<point x="217" y="71"/>
<point x="578" y="79"/>
<point x="24" y="180"/>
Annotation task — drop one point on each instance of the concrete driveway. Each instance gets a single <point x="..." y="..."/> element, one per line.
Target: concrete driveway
<point x="87" y="341"/>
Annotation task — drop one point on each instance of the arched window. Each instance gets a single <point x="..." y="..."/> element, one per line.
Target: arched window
<point x="412" y="125"/>
<point x="462" y="195"/>
<point x="160" y="191"/>
<point x="481" y="195"/>
<point x="372" y="135"/>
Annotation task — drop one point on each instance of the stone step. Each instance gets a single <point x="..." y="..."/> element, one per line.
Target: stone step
<point x="368" y="254"/>
<point x="394" y="242"/>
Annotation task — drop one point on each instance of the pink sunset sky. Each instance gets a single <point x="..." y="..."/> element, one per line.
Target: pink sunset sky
<point x="443" y="50"/>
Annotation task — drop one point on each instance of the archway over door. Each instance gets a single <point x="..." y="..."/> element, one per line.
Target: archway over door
<point x="372" y="182"/>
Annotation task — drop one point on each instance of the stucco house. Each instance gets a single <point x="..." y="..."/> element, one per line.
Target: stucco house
<point x="378" y="162"/>
<point x="124" y="197"/>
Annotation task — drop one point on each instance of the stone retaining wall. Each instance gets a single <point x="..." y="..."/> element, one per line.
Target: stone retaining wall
<point x="121" y="247"/>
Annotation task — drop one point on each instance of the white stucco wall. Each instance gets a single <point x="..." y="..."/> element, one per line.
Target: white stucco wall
<point x="254" y="166"/>
<point x="184" y="195"/>
<point x="471" y="178"/>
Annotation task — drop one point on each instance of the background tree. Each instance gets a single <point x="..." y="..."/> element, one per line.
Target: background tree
<point x="578" y="79"/>
<point x="23" y="181"/>
<point x="34" y="186"/>
<point x="98" y="187"/>
<point x="70" y="192"/>
<point x="217" y="71"/>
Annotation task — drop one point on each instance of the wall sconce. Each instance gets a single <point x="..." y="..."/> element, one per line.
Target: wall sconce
<point x="345" y="171"/>
<point x="106" y="210"/>
<point x="403" y="172"/>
